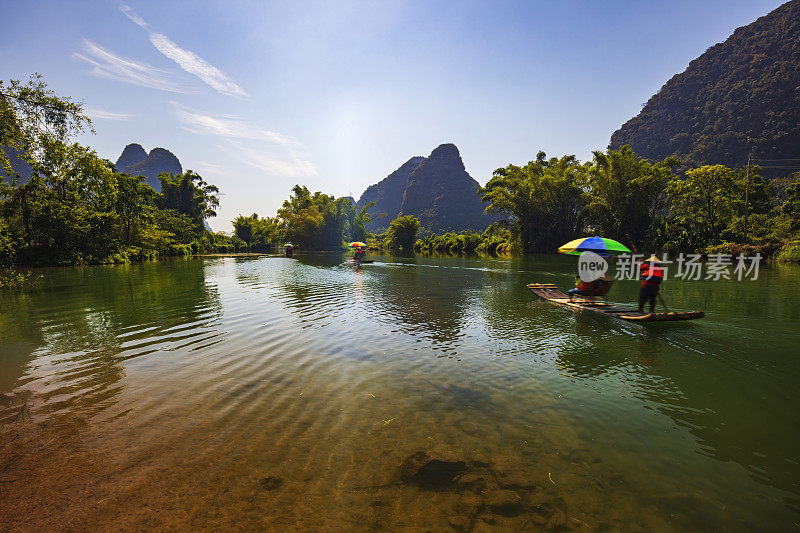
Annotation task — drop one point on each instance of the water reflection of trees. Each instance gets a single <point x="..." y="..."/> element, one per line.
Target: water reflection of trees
<point x="428" y="300"/>
<point x="692" y="372"/>
<point x="695" y="377"/>
<point x="726" y="381"/>
<point x="84" y="323"/>
<point x="409" y="295"/>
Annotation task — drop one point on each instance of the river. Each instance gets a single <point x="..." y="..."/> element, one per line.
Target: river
<point x="274" y="393"/>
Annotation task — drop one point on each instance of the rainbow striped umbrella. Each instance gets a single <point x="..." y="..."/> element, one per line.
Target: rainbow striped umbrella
<point x="358" y="244"/>
<point x="598" y="245"/>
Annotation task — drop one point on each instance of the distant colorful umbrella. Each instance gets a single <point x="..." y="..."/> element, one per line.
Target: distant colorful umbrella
<point x="358" y="244"/>
<point x="598" y="245"/>
<point x="288" y="245"/>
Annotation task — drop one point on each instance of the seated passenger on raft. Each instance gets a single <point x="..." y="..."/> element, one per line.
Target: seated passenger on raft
<point x="590" y="289"/>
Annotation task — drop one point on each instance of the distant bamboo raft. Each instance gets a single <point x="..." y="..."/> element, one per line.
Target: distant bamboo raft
<point x="551" y="293"/>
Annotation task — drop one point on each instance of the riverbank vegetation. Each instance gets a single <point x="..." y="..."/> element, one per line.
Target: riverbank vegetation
<point x="73" y="207"/>
<point x="710" y="209"/>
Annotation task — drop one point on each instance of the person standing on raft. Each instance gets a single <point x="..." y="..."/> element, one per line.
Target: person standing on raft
<point x="360" y="254"/>
<point x="652" y="275"/>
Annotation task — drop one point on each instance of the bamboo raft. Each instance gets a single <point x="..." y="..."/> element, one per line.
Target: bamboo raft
<point x="551" y="293"/>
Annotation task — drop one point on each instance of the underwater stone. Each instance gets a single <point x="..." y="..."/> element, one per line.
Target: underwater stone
<point x="431" y="471"/>
<point x="501" y="501"/>
<point x="270" y="483"/>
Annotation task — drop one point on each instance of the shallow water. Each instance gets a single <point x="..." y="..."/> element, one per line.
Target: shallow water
<point x="278" y="393"/>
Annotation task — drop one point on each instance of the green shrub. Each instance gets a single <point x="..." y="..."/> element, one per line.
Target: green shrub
<point x="790" y="253"/>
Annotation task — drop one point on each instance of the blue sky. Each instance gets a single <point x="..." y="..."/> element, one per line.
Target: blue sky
<point x="258" y="96"/>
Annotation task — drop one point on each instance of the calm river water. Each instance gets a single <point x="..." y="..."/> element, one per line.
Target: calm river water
<point x="288" y="394"/>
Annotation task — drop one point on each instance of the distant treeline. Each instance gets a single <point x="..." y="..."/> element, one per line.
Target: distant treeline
<point x="309" y="221"/>
<point x="549" y="202"/>
<point x="321" y="222"/>
<point x="77" y="209"/>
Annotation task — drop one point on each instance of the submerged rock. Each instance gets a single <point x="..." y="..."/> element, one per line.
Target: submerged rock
<point x="270" y="483"/>
<point x="501" y="501"/>
<point x="556" y="520"/>
<point x="471" y="481"/>
<point x="459" y="522"/>
<point x="431" y="471"/>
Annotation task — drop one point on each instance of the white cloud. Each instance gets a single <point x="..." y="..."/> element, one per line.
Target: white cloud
<point x="213" y="167"/>
<point x="106" y="115"/>
<point x="228" y="126"/>
<point x="271" y="152"/>
<point x="194" y="64"/>
<point x="108" y="65"/>
<point x="287" y="164"/>
<point x="128" y="11"/>
<point x="186" y="59"/>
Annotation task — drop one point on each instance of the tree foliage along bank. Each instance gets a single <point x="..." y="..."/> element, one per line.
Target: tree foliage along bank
<point x="321" y="222"/>
<point x="75" y="208"/>
<point x="551" y="201"/>
<point x="619" y="195"/>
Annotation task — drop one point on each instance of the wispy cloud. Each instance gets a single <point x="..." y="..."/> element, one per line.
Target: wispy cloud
<point x="288" y="164"/>
<point x="106" y="115"/>
<point x="108" y="65"/>
<point x="271" y="152"/>
<point x="228" y="126"/>
<point x="187" y="60"/>
<point x="194" y="64"/>
<point x="128" y="11"/>
<point x="209" y="166"/>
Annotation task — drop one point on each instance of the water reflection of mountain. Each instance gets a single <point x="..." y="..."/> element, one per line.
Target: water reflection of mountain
<point x="84" y="323"/>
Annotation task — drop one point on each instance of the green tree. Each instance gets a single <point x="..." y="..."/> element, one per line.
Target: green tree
<point x="73" y="207"/>
<point x="258" y="232"/>
<point x="362" y="219"/>
<point x="190" y="195"/>
<point x="543" y="201"/>
<point x="402" y="233"/>
<point x="269" y="232"/>
<point x="135" y="203"/>
<point x="759" y="197"/>
<point x="243" y="227"/>
<point x="791" y="206"/>
<point x="182" y="229"/>
<point x="627" y="193"/>
<point x="316" y="221"/>
<point x="357" y="222"/>
<point x="33" y="118"/>
<point x="708" y="198"/>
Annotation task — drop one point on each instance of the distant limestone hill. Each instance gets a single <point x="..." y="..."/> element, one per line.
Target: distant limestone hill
<point x="19" y="165"/>
<point x="132" y="154"/>
<point x="740" y="97"/>
<point x="437" y="190"/>
<point x="388" y="195"/>
<point x="134" y="160"/>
